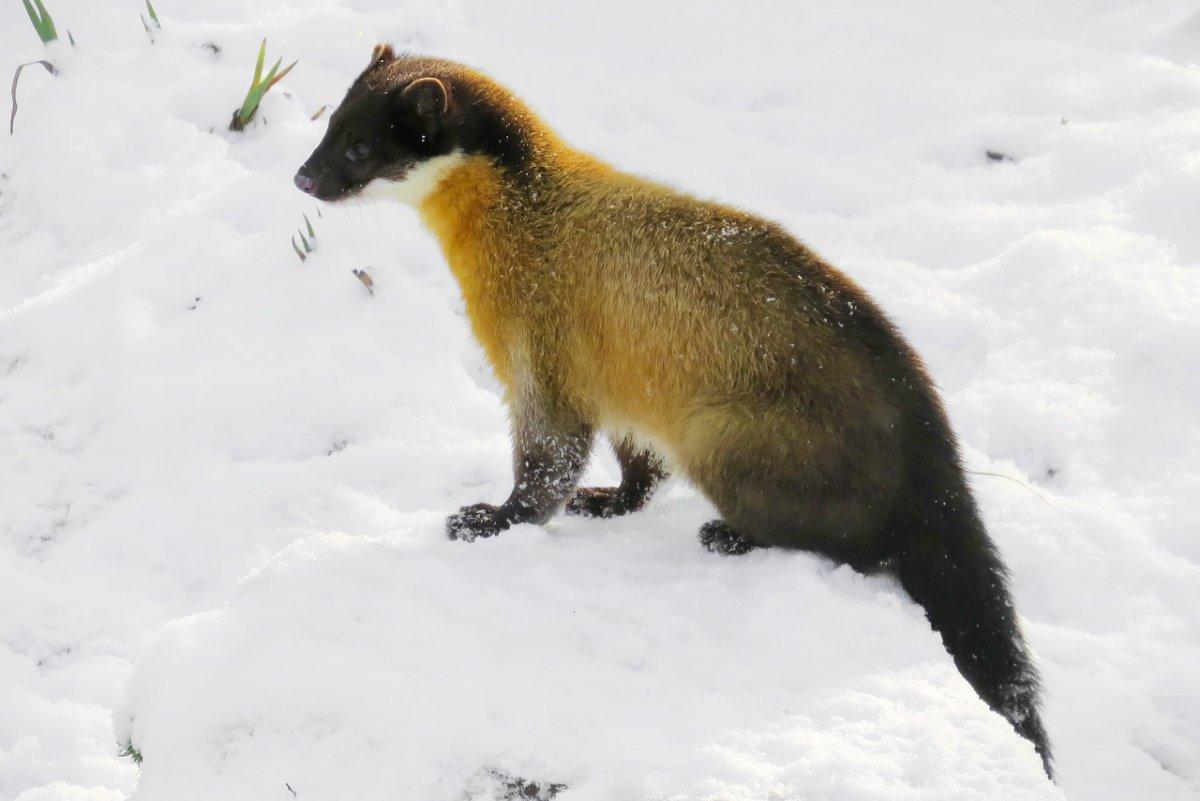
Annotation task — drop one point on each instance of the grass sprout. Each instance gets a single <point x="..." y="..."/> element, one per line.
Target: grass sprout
<point x="307" y="243"/>
<point x="153" y="24"/>
<point x="131" y="753"/>
<point x="259" y="86"/>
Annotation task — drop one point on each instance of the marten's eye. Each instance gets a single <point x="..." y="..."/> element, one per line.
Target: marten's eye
<point x="358" y="152"/>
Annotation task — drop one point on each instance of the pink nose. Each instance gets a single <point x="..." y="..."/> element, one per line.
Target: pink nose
<point x="305" y="182"/>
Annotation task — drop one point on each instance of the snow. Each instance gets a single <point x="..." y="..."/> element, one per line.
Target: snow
<point x="225" y="471"/>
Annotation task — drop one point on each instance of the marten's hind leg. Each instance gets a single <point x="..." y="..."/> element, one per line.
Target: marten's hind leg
<point x="641" y="472"/>
<point x="780" y="486"/>
<point x="719" y="537"/>
<point x="758" y="516"/>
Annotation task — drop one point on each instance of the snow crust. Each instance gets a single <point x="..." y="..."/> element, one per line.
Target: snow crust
<point x="224" y="471"/>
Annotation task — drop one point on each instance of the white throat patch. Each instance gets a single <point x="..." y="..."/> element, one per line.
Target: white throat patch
<point x="418" y="183"/>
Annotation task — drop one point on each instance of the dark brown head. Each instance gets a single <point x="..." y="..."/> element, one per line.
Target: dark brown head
<point x="406" y="119"/>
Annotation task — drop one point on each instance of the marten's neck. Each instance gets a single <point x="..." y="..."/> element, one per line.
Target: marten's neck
<point x="463" y="202"/>
<point x="481" y="209"/>
<point x="489" y="221"/>
<point x="469" y="213"/>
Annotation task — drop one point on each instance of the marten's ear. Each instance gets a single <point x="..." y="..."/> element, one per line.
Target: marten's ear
<point x="425" y="101"/>
<point x="427" y="97"/>
<point x="381" y="54"/>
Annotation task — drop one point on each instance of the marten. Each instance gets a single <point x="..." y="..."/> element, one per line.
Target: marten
<point x="698" y="338"/>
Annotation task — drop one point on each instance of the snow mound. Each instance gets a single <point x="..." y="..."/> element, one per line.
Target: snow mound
<point x="621" y="664"/>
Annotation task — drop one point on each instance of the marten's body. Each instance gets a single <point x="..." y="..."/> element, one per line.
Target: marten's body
<point x="699" y="330"/>
<point x="695" y="336"/>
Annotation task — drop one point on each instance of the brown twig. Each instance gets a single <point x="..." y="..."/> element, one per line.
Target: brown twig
<point x="361" y="275"/>
<point x="12" y="118"/>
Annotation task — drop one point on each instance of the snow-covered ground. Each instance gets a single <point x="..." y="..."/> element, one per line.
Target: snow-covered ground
<point x="223" y="472"/>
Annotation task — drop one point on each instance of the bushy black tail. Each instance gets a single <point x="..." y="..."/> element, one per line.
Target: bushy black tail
<point x="947" y="563"/>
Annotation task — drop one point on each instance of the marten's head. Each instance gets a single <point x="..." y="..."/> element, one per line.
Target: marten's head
<point x="406" y="121"/>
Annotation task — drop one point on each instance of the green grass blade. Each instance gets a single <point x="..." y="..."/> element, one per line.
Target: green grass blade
<point x="279" y="77"/>
<point x="250" y="105"/>
<point x="50" y="33"/>
<point x="255" y="94"/>
<point x="296" y="248"/>
<point x="153" y="15"/>
<point x="271" y="74"/>
<point x="33" y="17"/>
<point x="307" y="247"/>
<point x="262" y="56"/>
<point x="308" y="223"/>
<point x="42" y="24"/>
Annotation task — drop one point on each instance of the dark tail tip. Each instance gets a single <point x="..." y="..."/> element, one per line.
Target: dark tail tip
<point x="1019" y="705"/>
<point x="949" y="566"/>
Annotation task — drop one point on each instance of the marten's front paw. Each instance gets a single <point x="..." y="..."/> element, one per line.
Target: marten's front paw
<point x="477" y="520"/>
<point x="598" y="502"/>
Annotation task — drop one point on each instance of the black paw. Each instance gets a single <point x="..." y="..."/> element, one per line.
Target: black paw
<point x="718" y="537"/>
<point x="521" y="789"/>
<point x="501" y="786"/>
<point x="477" y="520"/>
<point x="599" y="502"/>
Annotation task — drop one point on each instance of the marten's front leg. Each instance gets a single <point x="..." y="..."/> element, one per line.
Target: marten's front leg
<point x="641" y="472"/>
<point x="551" y="446"/>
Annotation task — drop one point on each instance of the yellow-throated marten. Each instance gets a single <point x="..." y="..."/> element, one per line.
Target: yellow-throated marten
<point x="694" y="335"/>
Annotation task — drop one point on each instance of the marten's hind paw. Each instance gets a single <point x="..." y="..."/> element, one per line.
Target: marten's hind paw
<point x="718" y="537"/>
<point x="600" y="502"/>
<point x="477" y="520"/>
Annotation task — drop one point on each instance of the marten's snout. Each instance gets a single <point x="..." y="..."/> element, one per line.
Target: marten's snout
<point x="313" y="178"/>
<point x="304" y="182"/>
